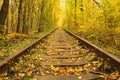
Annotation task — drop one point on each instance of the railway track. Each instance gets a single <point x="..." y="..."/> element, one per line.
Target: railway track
<point x="60" y="55"/>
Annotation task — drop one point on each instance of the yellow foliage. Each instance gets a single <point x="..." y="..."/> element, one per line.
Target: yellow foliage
<point x="16" y="35"/>
<point x="114" y="2"/>
<point x="118" y="29"/>
<point x="82" y="28"/>
<point x="29" y="73"/>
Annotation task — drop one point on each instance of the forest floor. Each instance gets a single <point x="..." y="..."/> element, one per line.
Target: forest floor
<point x="16" y="41"/>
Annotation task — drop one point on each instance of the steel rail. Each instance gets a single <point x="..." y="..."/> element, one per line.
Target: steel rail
<point x="113" y="60"/>
<point x="20" y="52"/>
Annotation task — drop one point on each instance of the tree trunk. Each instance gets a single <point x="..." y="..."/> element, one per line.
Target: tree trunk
<point x="7" y="24"/>
<point x="3" y="15"/>
<point x="24" y="20"/>
<point x="19" y="17"/>
<point x="81" y="9"/>
<point x="41" y="16"/>
<point x="75" y="12"/>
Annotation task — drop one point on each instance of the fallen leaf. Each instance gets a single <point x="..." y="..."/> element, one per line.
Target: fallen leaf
<point x="80" y="77"/>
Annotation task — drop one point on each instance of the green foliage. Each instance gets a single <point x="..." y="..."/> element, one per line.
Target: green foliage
<point x="93" y="59"/>
<point x="86" y="53"/>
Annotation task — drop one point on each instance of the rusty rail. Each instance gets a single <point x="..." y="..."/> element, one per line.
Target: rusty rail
<point x="113" y="60"/>
<point x="20" y="52"/>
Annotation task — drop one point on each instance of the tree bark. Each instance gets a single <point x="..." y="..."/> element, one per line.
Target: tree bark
<point x="75" y="12"/>
<point x="41" y="16"/>
<point x="19" y="17"/>
<point x="24" y="19"/>
<point x="3" y="15"/>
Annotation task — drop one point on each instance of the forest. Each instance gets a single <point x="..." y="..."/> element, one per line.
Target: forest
<point x="19" y="19"/>
<point x="24" y="45"/>
<point x="97" y="21"/>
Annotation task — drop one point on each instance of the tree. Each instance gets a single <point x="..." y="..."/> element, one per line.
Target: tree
<point x="3" y="15"/>
<point x="75" y="13"/>
<point x="19" y="16"/>
<point x="41" y="15"/>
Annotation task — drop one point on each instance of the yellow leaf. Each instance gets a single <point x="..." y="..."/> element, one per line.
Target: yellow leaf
<point x="80" y="77"/>
<point x="29" y="73"/>
<point x="32" y="66"/>
<point x="34" y="79"/>
<point x="21" y="74"/>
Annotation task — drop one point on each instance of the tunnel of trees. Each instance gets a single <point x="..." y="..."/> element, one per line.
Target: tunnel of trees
<point x="95" y="20"/>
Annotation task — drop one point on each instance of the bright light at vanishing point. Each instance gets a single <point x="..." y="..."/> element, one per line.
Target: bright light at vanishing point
<point x="62" y="4"/>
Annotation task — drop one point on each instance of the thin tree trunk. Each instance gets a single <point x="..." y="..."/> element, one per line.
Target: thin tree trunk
<point x="3" y="15"/>
<point x="82" y="11"/>
<point x="7" y="24"/>
<point x="19" y="16"/>
<point x="41" y="16"/>
<point x="75" y="16"/>
<point x="24" y="20"/>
